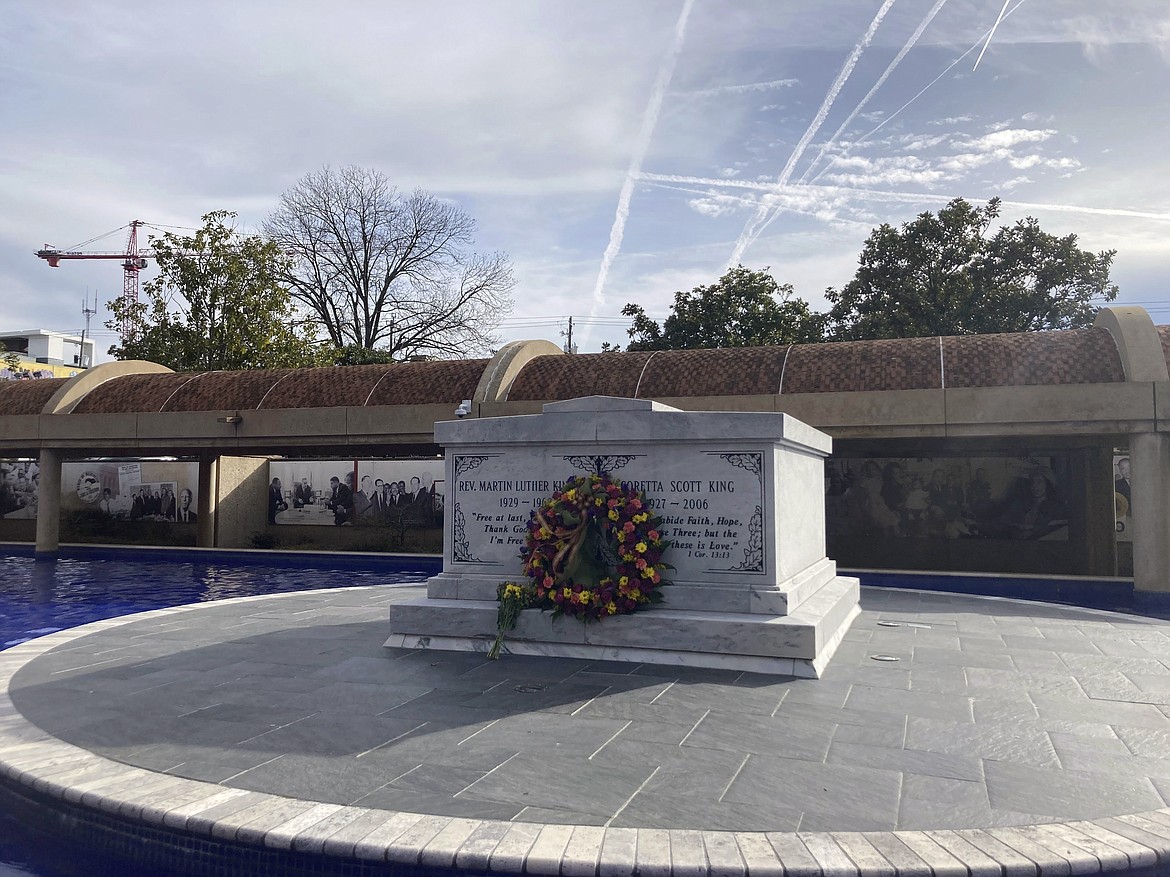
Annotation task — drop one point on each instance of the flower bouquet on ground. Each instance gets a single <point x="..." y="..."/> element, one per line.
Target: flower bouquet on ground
<point x="593" y="549"/>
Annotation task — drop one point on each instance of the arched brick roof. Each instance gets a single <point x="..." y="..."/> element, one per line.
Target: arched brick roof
<point x="417" y="383"/>
<point x="131" y="394"/>
<point x="739" y="371"/>
<point x="586" y="374"/>
<point x="1075" y="356"/>
<point x="1164" y="335"/>
<point x="27" y="397"/>
<point x="1035" y="358"/>
<point x="392" y="384"/>
<point x="854" y="366"/>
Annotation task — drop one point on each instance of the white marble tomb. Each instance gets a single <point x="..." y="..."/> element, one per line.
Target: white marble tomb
<point x="742" y="500"/>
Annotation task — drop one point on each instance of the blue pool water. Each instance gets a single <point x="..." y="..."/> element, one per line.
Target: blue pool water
<point x="41" y="597"/>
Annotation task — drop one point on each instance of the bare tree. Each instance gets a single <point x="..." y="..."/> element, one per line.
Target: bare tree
<point x="383" y="270"/>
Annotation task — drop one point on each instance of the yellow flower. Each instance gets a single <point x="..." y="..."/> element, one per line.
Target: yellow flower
<point x="648" y="572"/>
<point x="566" y="592"/>
<point x="641" y="547"/>
<point x="611" y="607"/>
<point x="624" y="580"/>
<point x="621" y="535"/>
<point x="613" y="515"/>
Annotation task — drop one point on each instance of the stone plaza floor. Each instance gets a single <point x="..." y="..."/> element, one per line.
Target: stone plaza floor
<point x="950" y="722"/>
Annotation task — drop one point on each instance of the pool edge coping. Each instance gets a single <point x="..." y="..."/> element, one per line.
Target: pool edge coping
<point x="33" y="759"/>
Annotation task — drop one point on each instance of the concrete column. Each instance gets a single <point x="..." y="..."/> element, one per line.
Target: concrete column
<point x="49" y="504"/>
<point x="208" y="503"/>
<point x="1149" y="456"/>
<point x="1092" y="531"/>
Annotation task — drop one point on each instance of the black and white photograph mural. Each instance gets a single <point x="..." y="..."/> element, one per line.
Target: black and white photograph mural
<point x="18" y="489"/>
<point x="1122" y="502"/>
<point x="355" y="492"/>
<point x="947" y="498"/>
<point x="132" y="490"/>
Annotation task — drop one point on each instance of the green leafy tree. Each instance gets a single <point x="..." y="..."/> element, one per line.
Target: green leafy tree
<point x="10" y="358"/>
<point x="945" y="274"/>
<point x="745" y="308"/>
<point x="217" y="303"/>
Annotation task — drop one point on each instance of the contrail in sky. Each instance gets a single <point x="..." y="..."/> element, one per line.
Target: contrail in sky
<point x="901" y="197"/>
<point x="991" y="33"/>
<point x="751" y="230"/>
<point x="739" y="89"/>
<point x="925" y="88"/>
<point x="910" y="43"/>
<point x="641" y="146"/>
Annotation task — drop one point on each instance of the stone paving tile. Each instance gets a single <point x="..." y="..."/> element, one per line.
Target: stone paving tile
<point x="845" y="716"/>
<point x="1146" y="742"/>
<point x="1078" y="664"/>
<point x="995" y="660"/>
<point x="739" y="700"/>
<point x="784" y="736"/>
<point x="550" y="732"/>
<point x="516" y="693"/>
<point x="875" y="675"/>
<point x="1150" y="682"/>
<point x="1162" y="787"/>
<point x="1012" y="742"/>
<point x="667" y="802"/>
<point x="1066" y="794"/>
<point x="927" y="704"/>
<point x="913" y="761"/>
<point x="982" y="679"/>
<point x="615" y="706"/>
<point x="527" y="780"/>
<point x="387" y="798"/>
<point x="315" y="778"/>
<point x="818" y="692"/>
<point x="1060" y="643"/>
<point x="858" y="798"/>
<point x="1111" y="711"/>
<point x="561" y="817"/>
<point x="332" y="735"/>
<point x="943" y="679"/>
<point x="1083" y="758"/>
<point x="998" y="714"/>
<point x="892" y="737"/>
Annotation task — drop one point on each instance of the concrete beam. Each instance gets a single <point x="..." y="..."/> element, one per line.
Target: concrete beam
<point x="505" y="366"/>
<point x="1137" y="342"/>
<point x="80" y="385"/>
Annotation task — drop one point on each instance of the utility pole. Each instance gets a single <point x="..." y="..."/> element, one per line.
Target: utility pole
<point x="569" y="348"/>
<point x="88" y="312"/>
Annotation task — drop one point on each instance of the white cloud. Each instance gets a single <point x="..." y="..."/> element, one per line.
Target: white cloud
<point x="526" y="112"/>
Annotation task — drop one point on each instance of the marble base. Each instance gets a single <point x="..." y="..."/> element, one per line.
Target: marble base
<point x="799" y="643"/>
<point x="756" y="598"/>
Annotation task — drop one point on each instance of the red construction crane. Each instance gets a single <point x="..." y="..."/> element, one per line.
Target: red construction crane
<point x="133" y="261"/>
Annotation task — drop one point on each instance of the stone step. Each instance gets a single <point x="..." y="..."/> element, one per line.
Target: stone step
<point x="797" y="644"/>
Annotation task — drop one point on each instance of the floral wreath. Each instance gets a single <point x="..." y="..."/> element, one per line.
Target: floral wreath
<point x="593" y="549"/>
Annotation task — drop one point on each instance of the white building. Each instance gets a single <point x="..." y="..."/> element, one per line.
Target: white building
<point x="43" y="351"/>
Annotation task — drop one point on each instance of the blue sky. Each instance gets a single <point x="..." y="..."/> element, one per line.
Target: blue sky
<point x="617" y="151"/>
